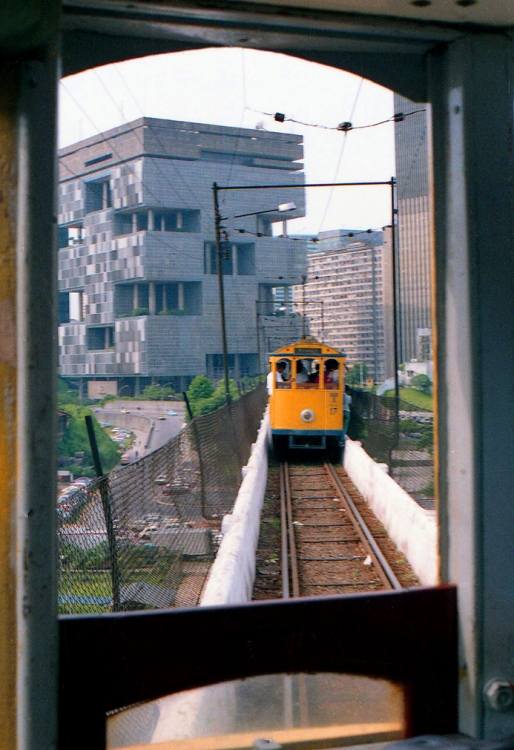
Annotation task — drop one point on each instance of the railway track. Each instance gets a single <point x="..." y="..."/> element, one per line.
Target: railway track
<point x="326" y="546"/>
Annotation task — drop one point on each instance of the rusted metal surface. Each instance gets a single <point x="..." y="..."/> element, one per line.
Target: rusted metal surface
<point x="8" y="383"/>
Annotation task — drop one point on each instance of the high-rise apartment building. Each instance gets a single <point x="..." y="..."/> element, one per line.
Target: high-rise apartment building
<point x="138" y="285"/>
<point x="348" y="293"/>
<point x="414" y="233"/>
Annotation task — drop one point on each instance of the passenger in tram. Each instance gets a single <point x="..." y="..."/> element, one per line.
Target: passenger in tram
<point x="314" y="376"/>
<point x="331" y="373"/>
<point x="280" y="368"/>
<point x="301" y="375"/>
<point x="347" y="402"/>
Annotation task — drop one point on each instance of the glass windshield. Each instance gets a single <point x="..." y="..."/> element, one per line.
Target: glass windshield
<point x="332" y="709"/>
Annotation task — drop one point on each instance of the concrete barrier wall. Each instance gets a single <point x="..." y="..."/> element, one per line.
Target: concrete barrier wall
<point x="126" y="421"/>
<point x="233" y="573"/>
<point x="412" y="528"/>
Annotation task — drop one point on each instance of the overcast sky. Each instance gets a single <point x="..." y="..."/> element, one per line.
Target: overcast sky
<point x="234" y="87"/>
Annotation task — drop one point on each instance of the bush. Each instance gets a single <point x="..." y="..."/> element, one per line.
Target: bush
<point x="157" y="393"/>
<point x="421" y="383"/>
<point x="204" y="399"/>
<point x="199" y="388"/>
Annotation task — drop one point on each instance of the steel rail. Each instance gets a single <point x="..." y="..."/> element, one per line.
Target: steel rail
<point x="382" y="566"/>
<point x="283" y="536"/>
<point x="295" y="578"/>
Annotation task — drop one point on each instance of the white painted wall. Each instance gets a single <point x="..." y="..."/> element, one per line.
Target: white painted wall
<point x="412" y="528"/>
<point x="233" y="573"/>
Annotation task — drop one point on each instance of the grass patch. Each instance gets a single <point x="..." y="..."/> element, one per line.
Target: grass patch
<point x="415" y="397"/>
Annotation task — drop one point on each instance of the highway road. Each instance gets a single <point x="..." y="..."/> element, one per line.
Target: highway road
<point x="161" y="421"/>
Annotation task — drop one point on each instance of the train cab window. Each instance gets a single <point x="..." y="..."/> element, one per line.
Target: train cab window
<point x="331" y="709"/>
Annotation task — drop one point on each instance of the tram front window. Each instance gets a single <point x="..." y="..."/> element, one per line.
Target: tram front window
<point x="307" y="373"/>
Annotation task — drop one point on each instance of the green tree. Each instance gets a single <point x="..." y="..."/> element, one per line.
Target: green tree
<point x="421" y="383"/>
<point x="76" y="439"/>
<point x="357" y="374"/>
<point x="207" y="404"/>
<point x="200" y="388"/>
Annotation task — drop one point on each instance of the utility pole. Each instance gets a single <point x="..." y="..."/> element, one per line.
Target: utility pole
<point x="304" y="302"/>
<point x="395" y="290"/>
<point x="217" y="223"/>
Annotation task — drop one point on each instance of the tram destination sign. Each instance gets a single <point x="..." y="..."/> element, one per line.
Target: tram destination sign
<point x="307" y="351"/>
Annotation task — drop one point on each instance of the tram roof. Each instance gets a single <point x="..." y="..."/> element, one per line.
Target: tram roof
<point x="308" y="347"/>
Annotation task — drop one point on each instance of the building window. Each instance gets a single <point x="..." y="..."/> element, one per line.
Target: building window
<point x="211" y="258"/>
<point x="158" y="298"/>
<point x="167" y="220"/>
<point x="245" y="259"/>
<point x="100" y="338"/>
<point x="175" y="220"/>
<point x="236" y="260"/>
<point x="72" y="307"/>
<point x="98" y="195"/>
<point x="71" y="235"/>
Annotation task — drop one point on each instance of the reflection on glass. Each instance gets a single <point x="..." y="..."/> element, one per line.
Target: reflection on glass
<point x="331" y="708"/>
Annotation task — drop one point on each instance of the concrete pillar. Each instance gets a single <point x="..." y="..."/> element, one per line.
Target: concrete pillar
<point x="135" y="296"/>
<point x="472" y="98"/>
<point x="180" y="295"/>
<point x="179" y="220"/>
<point x="284" y="227"/>
<point x="105" y="195"/>
<point x="234" y="260"/>
<point x="137" y="387"/>
<point x="134" y="223"/>
<point x="164" y="297"/>
<point x="28" y="407"/>
<point x="151" y="298"/>
<point x="150" y="220"/>
<point x="163" y="224"/>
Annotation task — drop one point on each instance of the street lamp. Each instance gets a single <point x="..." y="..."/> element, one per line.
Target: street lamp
<point x="281" y="208"/>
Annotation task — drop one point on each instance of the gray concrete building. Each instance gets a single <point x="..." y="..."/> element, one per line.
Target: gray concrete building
<point x="348" y="294"/>
<point x="137" y="263"/>
<point x="412" y="149"/>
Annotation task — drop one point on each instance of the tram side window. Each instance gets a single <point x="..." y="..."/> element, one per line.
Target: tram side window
<point x="285" y="374"/>
<point x="331" y="377"/>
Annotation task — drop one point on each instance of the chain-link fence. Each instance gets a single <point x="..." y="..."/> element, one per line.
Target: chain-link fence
<point x="402" y="437"/>
<point x="144" y="536"/>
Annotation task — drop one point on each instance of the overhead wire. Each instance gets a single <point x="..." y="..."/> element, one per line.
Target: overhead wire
<point x="342" y="127"/>
<point x="234" y="152"/>
<point x="341" y="153"/>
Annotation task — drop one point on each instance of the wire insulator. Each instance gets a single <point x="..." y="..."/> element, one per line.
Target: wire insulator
<point x="345" y="126"/>
<point x="279" y="117"/>
<point x="399" y="117"/>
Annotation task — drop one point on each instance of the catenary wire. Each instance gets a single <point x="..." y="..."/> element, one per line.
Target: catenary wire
<point x="341" y="153"/>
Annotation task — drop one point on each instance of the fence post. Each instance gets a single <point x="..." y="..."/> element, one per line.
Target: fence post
<point x="199" y="449"/>
<point x="109" y="522"/>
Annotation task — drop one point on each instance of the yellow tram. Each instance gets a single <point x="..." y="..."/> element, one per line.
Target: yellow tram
<point x="306" y="394"/>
